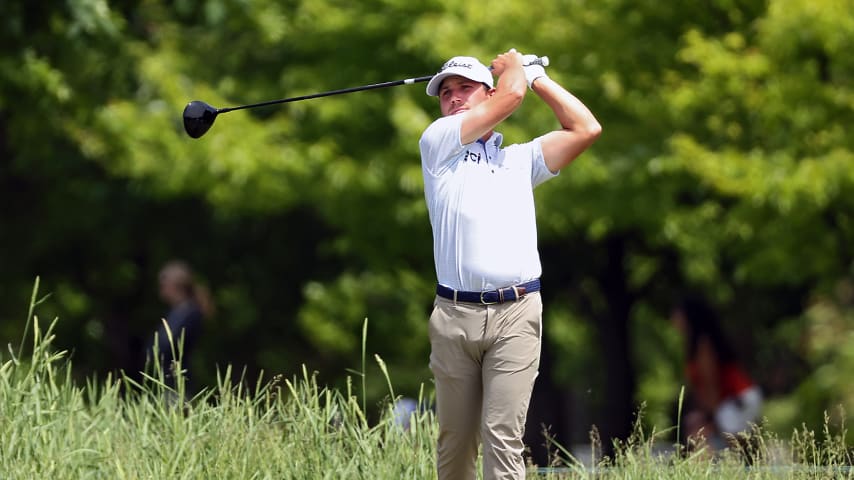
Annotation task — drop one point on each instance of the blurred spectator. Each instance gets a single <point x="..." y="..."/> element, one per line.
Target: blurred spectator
<point x="189" y="303"/>
<point x="404" y="408"/>
<point x="722" y="398"/>
<point x="407" y="409"/>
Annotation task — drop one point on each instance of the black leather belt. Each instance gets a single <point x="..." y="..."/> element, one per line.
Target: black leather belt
<point x="489" y="297"/>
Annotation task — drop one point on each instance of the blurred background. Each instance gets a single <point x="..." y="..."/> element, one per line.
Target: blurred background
<point x="725" y="168"/>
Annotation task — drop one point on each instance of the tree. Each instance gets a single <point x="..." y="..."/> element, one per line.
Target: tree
<point x="724" y="166"/>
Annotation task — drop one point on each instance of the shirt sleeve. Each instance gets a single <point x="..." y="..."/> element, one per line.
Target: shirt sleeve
<point x="539" y="170"/>
<point x="440" y="143"/>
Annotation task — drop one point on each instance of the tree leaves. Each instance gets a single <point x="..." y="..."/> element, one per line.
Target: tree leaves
<point x="724" y="165"/>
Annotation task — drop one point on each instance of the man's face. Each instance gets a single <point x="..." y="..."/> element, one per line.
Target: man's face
<point x="458" y="94"/>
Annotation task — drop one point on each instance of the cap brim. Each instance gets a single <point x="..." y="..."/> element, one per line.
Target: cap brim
<point x="436" y="82"/>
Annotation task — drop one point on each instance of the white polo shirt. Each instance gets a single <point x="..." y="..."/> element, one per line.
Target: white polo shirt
<point x="481" y="204"/>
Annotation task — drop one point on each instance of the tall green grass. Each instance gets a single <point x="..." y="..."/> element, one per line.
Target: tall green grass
<point x="115" y="428"/>
<point x="118" y="429"/>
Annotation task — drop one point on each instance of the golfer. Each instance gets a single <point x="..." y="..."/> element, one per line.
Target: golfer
<point x="485" y="329"/>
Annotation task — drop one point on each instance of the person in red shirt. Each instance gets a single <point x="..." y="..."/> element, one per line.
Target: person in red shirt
<point x="723" y="398"/>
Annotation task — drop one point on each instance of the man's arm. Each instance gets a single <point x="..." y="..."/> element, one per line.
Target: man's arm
<point x="503" y="101"/>
<point x="580" y="127"/>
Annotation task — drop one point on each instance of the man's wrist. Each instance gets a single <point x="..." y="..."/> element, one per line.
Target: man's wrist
<point x="533" y="73"/>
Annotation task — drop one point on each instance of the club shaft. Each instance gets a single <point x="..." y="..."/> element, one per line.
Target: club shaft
<point x="394" y="83"/>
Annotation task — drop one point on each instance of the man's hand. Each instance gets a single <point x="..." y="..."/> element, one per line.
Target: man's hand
<point x="508" y="60"/>
<point x="532" y="71"/>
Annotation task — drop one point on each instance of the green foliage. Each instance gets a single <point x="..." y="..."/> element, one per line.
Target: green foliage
<point x="826" y="347"/>
<point x="725" y="165"/>
<point x="115" y="428"/>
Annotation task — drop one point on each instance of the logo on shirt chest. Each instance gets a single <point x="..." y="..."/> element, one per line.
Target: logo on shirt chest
<point x="473" y="157"/>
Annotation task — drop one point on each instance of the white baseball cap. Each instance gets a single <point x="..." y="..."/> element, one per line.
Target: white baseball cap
<point x="468" y="67"/>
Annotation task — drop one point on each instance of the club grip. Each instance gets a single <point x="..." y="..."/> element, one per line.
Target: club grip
<point x="544" y="61"/>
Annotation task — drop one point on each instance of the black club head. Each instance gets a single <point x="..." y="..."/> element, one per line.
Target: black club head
<point x="198" y="118"/>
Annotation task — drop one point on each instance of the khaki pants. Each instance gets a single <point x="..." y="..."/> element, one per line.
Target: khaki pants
<point x="484" y="359"/>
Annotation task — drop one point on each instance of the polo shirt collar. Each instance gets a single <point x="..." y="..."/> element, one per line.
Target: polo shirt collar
<point x="493" y="141"/>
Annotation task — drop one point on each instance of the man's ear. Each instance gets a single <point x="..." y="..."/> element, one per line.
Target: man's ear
<point x="490" y="92"/>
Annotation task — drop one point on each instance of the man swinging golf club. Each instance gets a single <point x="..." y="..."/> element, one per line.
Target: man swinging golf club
<point x="485" y="329"/>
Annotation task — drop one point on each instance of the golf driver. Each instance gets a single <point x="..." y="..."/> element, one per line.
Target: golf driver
<point x="199" y="116"/>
